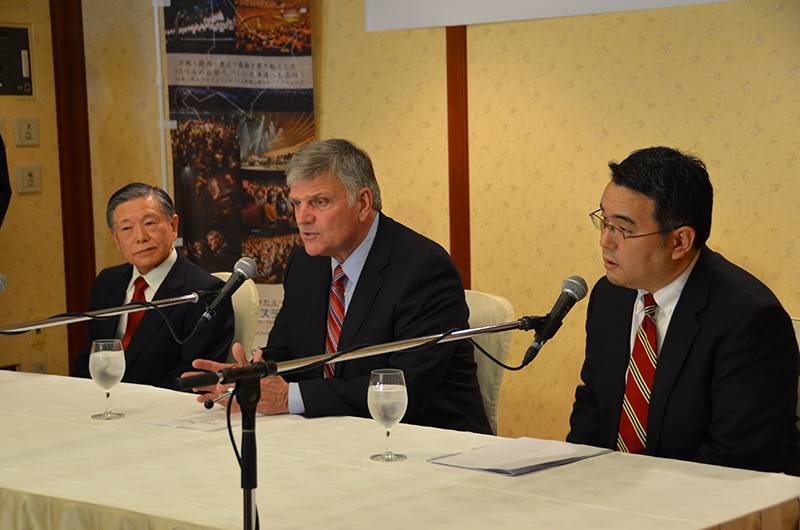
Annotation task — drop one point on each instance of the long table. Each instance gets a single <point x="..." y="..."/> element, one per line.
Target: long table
<point x="154" y="469"/>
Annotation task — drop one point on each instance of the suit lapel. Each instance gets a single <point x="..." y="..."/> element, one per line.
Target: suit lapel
<point x="611" y="373"/>
<point x="152" y="321"/>
<point x="369" y="283"/>
<point x="683" y="328"/>
<point x="113" y="295"/>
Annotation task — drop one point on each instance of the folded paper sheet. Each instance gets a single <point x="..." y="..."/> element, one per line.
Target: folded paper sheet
<point x="520" y="456"/>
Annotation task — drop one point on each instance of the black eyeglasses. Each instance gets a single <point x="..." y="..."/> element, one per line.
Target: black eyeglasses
<point x="601" y="223"/>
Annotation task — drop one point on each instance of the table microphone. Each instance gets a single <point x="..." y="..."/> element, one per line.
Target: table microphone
<point x="572" y="291"/>
<point x="244" y="269"/>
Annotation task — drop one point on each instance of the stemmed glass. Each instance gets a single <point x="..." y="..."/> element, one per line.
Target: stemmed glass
<point x="387" y="401"/>
<point x="107" y="366"/>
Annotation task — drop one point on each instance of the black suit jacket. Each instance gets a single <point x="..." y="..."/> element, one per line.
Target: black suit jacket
<point x="153" y="356"/>
<point x="725" y="388"/>
<point x="409" y="288"/>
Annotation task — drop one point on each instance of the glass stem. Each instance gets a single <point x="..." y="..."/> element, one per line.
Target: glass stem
<point x="388" y="449"/>
<point x="108" y="409"/>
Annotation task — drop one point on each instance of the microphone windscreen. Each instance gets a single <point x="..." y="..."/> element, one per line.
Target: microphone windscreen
<point x="246" y="267"/>
<point x="576" y="286"/>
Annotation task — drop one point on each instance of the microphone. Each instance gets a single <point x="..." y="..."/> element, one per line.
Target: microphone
<point x="244" y="269"/>
<point x="573" y="290"/>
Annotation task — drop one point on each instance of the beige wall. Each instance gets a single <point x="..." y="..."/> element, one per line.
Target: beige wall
<point x="387" y="92"/>
<point x="120" y="48"/>
<point x="31" y="240"/>
<point x="551" y="102"/>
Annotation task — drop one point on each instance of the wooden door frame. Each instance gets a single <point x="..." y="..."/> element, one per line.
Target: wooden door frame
<point x="66" y="22"/>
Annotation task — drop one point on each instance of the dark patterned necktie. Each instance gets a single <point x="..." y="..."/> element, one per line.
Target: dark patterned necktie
<point x="632" y="436"/>
<point x="335" y="317"/>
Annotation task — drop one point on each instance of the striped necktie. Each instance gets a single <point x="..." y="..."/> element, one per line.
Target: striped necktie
<point x="632" y="436"/>
<point x="335" y="317"/>
<point x="133" y="318"/>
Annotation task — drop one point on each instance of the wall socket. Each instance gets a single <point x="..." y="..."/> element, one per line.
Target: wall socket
<point x="40" y="366"/>
<point x="29" y="178"/>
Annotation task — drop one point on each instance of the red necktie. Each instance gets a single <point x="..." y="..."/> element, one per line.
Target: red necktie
<point x="133" y="318"/>
<point x="632" y="436"/>
<point x="335" y="317"/>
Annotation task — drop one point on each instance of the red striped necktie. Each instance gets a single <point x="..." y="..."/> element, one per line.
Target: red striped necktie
<point x="632" y="436"/>
<point x="335" y="317"/>
<point x="133" y="318"/>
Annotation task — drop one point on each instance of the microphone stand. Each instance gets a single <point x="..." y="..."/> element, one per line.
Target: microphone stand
<point x="269" y="368"/>
<point x="104" y="313"/>
<point x="248" y="394"/>
<point x="248" y="388"/>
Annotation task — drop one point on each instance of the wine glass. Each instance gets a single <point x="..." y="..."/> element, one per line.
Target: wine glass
<point x="107" y="366"/>
<point x="387" y="401"/>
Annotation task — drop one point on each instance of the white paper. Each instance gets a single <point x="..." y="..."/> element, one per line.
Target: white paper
<point x="520" y="455"/>
<point x="208" y="421"/>
<point x="390" y="14"/>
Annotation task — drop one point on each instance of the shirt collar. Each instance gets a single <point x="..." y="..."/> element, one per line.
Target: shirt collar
<point x="156" y="277"/>
<point x="354" y="263"/>
<point x="667" y="297"/>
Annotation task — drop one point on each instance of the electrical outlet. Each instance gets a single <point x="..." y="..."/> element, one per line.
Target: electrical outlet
<point x="40" y="366"/>
<point x="29" y="178"/>
<point x="26" y="130"/>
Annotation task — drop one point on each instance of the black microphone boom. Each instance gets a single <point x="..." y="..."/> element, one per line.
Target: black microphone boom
<point x="573" y="290"/>
<point x="244" y="269"/>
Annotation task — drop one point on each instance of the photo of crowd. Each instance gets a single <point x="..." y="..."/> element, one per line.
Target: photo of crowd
<point x="273" y="28"/>
<point x="231" y="144"/>
<point x="200" y="27"/>
<point x="268" y="139"/>
<point x="271" y="255"/>
<point x="212" y="202"/>
<point x="268" y="224"/>
<point x="204" y="140"/>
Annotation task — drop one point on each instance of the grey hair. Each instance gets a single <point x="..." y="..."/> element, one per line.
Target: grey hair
<point x="139" y="190"/>
<point x="218" y="234"/>
<point x="340" y="158"/>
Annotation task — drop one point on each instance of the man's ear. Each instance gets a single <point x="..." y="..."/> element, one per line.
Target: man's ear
<point x="364" y="202"/>
<point x="116" y="240"/>
<point x="682" y="241"/>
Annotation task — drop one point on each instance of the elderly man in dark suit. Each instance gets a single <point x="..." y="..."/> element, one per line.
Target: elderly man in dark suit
<point x="144" y="226"/>
<point x="687" y="355"/>
<point x="396" y="284"/>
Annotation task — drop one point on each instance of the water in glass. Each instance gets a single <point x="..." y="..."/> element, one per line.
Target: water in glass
<point x="107" y="366"/>
<point x="387" y="401"/>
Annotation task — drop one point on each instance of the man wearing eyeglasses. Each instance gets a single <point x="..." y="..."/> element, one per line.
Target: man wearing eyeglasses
<point x="687" y="355"/>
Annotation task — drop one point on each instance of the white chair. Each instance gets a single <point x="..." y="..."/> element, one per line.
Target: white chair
<point x="245" y="310"/>
<point x="484" y="310"/>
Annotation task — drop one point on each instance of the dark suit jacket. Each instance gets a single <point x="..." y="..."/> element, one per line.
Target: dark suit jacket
<point x="725" y="388"/>
<point x="409" y="288"/>
<point x="153" y="356"/>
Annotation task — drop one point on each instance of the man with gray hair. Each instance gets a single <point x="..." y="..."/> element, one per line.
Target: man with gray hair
<point x="362" y="278"/>
<point x="144" y="225"/>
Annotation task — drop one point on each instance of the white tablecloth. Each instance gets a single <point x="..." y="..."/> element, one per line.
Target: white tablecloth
<point x="59" y="469"/>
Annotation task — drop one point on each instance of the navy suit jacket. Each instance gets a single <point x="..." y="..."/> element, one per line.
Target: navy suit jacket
<point x="153" y="356"/>
<point x="725" y="388"/>
<point x="409" y="288"/>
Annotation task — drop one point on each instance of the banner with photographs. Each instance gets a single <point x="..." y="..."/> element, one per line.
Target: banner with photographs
<point x="241" y="94"/>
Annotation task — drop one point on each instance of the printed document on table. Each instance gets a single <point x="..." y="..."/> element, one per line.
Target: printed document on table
<point x="520" y="456"/>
